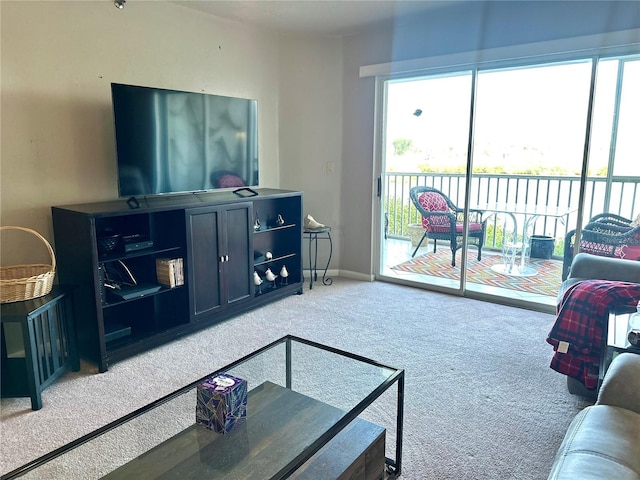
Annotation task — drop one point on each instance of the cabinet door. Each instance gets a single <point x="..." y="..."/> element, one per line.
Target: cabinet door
<point x="204" y="261"/>
<point x="238" y="265"/>
<point x="220" y="257"/>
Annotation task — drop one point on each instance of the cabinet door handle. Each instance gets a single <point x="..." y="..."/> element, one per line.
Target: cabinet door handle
<point x="224" y="258"/>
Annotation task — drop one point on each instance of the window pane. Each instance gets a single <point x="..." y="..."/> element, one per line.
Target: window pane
<point x="427" y="127"/>
<point x="532" y="120"/>
<point x="627" y="151"/>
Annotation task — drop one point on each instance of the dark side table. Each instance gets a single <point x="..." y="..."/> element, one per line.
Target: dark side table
<point x="313" y="234"/>
<point x="615" y="339"/>
<point x="38" y="338"/>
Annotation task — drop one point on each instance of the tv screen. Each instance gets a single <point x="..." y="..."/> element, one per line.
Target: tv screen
<point x="169" y="141"/>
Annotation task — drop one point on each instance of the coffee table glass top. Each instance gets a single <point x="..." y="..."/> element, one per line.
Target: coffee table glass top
<point x="301" y="395"/>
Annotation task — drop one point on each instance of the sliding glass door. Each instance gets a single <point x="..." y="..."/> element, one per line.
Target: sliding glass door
<point x="426" y="140"/>
<point x="529" y="137"/>
<point x="539" y="141"/>
<point x="613" y="183"/>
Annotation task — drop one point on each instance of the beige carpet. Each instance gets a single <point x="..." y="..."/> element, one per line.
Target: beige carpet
<point x="481" y="400"/>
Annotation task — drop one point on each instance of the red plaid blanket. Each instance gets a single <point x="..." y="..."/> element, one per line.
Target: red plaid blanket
<point x="581" y="323"/>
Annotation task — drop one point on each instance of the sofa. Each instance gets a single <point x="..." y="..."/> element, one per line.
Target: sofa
<point x="586" y="266"/>
<point x="603" y="440"/>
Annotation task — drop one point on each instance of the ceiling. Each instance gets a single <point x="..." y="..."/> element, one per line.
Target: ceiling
<point x="319" y="17"/>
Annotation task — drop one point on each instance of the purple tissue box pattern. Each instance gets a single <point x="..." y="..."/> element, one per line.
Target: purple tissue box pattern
<point x="221" y="402"/>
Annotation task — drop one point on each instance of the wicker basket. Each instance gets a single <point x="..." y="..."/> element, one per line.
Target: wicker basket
<point x="24" y="282"/>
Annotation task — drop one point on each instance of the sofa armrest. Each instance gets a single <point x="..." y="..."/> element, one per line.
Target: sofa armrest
<point x="621" y="384"/>
<point x="587" y="266"/>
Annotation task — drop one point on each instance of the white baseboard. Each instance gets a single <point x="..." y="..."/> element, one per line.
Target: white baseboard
<point x="357" y="275"/>
<point x="342" y="273"/>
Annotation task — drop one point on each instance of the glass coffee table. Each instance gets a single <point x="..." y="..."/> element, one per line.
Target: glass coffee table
<point x="306" y="418"/>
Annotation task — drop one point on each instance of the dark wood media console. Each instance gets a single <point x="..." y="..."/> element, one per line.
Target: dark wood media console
<point x="102" y="245"/>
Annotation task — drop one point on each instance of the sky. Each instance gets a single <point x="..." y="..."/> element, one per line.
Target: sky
<point x="524" y="117"/>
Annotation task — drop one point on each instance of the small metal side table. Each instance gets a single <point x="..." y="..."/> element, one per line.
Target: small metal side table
<point x="39" y="344"/>
<point x="313" y="234"/>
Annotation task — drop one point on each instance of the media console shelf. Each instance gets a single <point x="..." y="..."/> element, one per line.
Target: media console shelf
<point x="110" y="252"/>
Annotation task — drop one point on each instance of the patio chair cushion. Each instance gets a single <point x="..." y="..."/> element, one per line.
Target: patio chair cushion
<point x="611" y="241"/>
<point x="630" y="252"/>
<point x="473" y="227"/>
<point x="434" y="202"/>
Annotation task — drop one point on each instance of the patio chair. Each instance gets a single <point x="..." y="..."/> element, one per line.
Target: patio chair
<point x="606" y="235"/>
<point x="611" y="219"/>
<point x="442" y="220"/>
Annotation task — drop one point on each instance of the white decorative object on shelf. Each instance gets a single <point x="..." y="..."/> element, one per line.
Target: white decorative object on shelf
<point x="280" y="220"/>
<point x="257" y="281"/>
<point x="269" y="275"/>
<point x="310" y="223"/>
<point x="284" y="274"/>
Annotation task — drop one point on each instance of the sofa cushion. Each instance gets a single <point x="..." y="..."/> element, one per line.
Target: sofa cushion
<point x="621" y="384"/>
<point x="585" y="266"/>
<point x="602" y="442"/>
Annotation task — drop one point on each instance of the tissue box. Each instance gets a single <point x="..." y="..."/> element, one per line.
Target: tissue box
<point x="221" y="403"/>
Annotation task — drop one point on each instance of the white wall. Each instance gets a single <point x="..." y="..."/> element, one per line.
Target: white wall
<point x="311" y="131"/>
<point x="58" y="60"/>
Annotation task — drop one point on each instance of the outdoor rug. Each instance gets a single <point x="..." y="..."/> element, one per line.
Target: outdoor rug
<point x="546" y="282"/>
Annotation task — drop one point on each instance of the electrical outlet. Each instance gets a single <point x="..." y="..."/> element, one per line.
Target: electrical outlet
<point x="331" y="167"/>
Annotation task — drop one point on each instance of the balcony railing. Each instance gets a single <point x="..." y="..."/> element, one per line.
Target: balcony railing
<point x="619" y="195"/>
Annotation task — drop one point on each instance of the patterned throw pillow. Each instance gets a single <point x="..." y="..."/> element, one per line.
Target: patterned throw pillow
<point x="434" y="202"/>
<point x="629" y="252"/>
<point x="228" y="181"/>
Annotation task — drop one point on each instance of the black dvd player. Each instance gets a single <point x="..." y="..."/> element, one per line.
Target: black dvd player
<point x="136" y="242"/>
<point x="129" y="292"/>
<point x="132" y="247"/>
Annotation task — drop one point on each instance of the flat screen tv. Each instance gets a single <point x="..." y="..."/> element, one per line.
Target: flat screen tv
<point x="169" y="141"/>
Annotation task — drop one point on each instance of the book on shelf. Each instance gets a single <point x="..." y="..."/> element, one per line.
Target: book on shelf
<point x="170" y="271"/>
